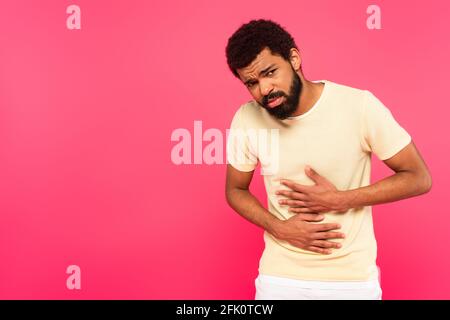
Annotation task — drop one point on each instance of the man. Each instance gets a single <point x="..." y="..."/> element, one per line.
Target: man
<point x="319" y="238"/>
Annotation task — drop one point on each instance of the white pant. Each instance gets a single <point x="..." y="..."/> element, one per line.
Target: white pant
<point x="277" y="288"/>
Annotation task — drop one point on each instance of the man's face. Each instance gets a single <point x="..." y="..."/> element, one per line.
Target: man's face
<point x="273" y="83"/>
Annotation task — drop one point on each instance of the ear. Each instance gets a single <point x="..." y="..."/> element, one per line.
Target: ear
<point x="295" y="59"/>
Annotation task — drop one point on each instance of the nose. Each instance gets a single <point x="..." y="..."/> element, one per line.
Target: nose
<point x="265" y="88"/>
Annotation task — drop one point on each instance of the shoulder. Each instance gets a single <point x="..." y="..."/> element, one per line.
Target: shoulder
<point x="251" y="107"/>
<point x="355" y="99"/>
<point x="249" y="112"/>
<point x="347" y="91"/>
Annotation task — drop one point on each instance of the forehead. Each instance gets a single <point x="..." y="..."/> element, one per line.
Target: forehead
<point x="264" y="59"/>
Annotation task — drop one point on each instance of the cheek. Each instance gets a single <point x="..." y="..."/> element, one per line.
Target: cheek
<point x="283" y="82"/>
<point x="284" y="86"/>
<point x="255" y="93"/>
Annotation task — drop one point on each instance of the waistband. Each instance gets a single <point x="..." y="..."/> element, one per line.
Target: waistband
<point x="308" y="284"/>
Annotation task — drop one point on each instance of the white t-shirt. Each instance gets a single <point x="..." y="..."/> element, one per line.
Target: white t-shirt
<point x="336" y="137"/>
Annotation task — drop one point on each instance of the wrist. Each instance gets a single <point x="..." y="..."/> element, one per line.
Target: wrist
<point x="346" y="199"/>
<point x="276" y="227"/>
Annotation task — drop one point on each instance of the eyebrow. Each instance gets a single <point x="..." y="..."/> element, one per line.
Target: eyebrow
<point x="260" y="73"/>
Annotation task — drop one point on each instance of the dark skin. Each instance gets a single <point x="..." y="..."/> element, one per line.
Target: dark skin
<point x="411" y="179"/>
<point x="296" y="230"/>
<point x="411" y="176"/>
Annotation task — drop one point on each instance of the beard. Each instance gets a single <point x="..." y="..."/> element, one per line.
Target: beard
<point x="290" y="103"/>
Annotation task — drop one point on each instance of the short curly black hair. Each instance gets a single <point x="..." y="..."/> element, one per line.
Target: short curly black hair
<point x="251" y="38"/>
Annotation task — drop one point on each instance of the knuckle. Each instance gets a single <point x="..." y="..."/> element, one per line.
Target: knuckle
<point x="314" y="249"/>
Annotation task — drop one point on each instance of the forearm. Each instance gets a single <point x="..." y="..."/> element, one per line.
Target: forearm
<point x="249" y="207"/>
<point x="399" y="186"/>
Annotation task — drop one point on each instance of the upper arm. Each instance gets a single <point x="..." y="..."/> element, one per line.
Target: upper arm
<point x="241" y="157"/>
<point x="409" y="159"/>
<point x="381" y="133"/>
<point x="237" y="179"/>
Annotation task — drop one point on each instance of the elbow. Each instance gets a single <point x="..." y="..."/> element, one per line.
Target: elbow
<point x="229" y="195"/>
<point x="233" y="194"/>
<point x="429" y="184"/>
<point x="426" y="183"/>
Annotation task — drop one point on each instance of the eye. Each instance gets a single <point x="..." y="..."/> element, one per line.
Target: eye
<point x="271" y="72"/>
<point x="250" y="84"/>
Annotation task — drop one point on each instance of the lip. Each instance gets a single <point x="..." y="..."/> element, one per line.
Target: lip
<point x="275" y="102"/>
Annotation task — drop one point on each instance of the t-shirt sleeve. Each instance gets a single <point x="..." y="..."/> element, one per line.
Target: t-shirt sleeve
<point x="240" y="153"/>
<point x="382" y="134"/>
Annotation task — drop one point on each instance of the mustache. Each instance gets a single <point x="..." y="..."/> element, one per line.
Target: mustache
<point x="271" y="96"/>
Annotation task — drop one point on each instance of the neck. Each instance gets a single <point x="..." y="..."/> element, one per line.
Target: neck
<point x="308" y="97"/>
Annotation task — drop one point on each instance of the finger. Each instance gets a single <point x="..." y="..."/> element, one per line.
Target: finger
<point x="327" y="235"/>
<point x="302" y="210"/>
<point x="312" y="248"/>
<point x="310" y="217"/>
<point x="319" y="250"/>
<point x="295" y="186"/>
<point x="325" y="227"/>
<point x="311" y="173"/>
<point x="292" y="194"/>
<point x="318" y="208"/>
<point x="292" y="203"/>
<point x="326" y="244"/>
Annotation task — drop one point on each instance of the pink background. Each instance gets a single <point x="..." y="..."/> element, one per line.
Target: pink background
<point x="86" y="117"/>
